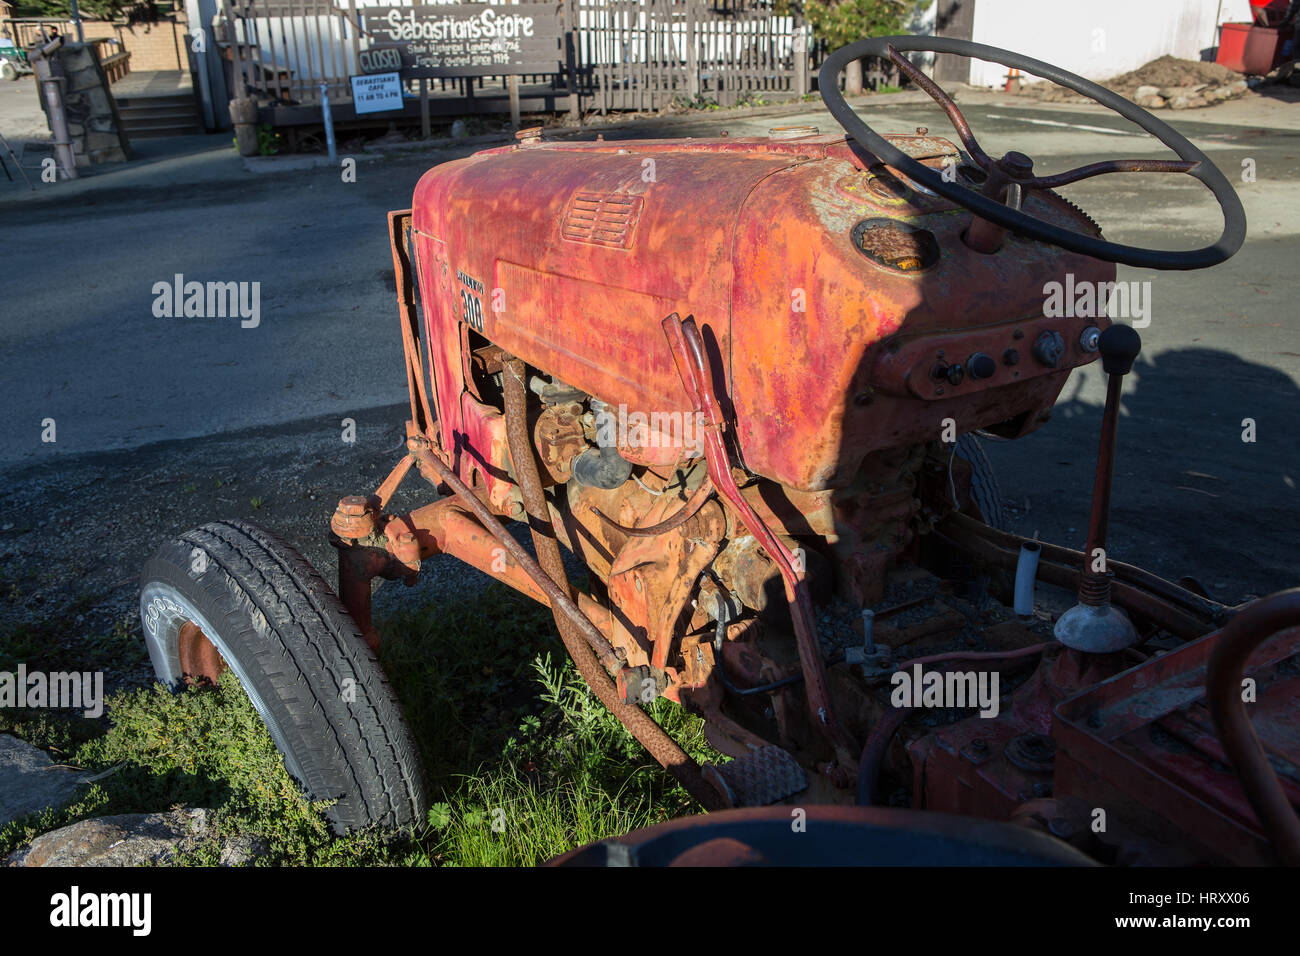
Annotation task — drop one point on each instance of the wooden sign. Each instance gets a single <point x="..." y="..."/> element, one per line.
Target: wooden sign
<point x="464" y="39"/>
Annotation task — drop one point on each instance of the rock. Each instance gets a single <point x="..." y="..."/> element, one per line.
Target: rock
<point x="132" y="839"/>
<point x="29" y="780"/>
<point x="459" y="130"/>
<point x="1145" y="91"/>
<point x="1170" y="92"/>
<point x="1238" y="86"/>
<point x="1179" y="103"/>
<point x="1151" y="102"/>
<point x="1224" y="92"/>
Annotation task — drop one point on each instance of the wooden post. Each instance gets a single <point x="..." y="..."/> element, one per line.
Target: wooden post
<point x="800" y="60"/>
<point x="356" y="37"/>
<point x="425" y="130"/>
<point x="571" y="59"/>
<point x="692" y="54"/>
<point x="512" y="85"/>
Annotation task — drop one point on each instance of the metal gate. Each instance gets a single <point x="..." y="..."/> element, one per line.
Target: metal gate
<point x="642" y="54"/>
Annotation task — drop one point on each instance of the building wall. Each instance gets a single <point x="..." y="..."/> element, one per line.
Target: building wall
<point x="153" y="46"/>
<point x="1098" y="39"/>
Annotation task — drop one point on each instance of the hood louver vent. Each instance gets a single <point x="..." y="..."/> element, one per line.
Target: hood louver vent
<point x="607" y="219"/>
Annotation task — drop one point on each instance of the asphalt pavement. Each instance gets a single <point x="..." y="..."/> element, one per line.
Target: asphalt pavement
<point x="158" y="419"/>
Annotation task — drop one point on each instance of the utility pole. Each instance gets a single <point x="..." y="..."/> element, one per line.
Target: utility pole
<point x="76" y="20"/>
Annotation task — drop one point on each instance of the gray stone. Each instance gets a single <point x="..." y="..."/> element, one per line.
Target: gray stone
<point x="133" y="839"/>
<point x="96" y="142"/>
<point x="1238" y="86"/>
<point x="459" y="129"/>
<point x="30" y="781"/>
<point x="114" y="155"/>
<point x="1179" y="103"/>
<point x="99" y="102"/>
<point x="83" y="79"/>
<point x="1145" y="91"/>
<point x="1151" y="102"/>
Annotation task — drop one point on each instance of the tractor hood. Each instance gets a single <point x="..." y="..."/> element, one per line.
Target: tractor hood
<point x="834" y="294"/>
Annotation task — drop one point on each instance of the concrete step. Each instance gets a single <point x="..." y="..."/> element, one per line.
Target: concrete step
<point x="159" y="113"/>
<point x="157" y="131"/>
<point x="151" y="117"/>
<point x="148" y="99"/>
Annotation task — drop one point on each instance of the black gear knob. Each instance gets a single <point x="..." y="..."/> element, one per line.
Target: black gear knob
<point x="1119" y="346"/>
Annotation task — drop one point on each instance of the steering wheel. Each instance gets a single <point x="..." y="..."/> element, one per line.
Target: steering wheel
<point x="996" y="205"/>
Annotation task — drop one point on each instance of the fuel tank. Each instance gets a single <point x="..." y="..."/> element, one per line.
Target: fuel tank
<point x="835" y="295"/>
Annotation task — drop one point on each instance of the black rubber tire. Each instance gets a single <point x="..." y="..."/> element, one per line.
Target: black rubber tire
<point x="294" y="648"/>
<point x="983" y="481"/>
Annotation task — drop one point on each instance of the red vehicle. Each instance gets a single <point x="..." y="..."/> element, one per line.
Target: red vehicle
<point x="741" y="380"/>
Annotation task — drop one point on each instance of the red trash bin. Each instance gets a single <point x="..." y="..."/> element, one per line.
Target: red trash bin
<point x="1249" y="49"/>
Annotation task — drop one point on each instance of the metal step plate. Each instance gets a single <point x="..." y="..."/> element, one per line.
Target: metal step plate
<point x="762" y="777"/>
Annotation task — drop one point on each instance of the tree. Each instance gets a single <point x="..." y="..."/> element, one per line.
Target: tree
<point x="840" y="22"/>
<point x="89" y="9"/>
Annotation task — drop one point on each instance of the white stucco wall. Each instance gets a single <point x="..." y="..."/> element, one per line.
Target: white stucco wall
<point x="1098" y="39"/>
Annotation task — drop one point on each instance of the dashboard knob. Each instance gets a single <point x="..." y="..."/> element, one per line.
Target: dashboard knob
<point x="980" y="365"/>
<point x="1049" y="348"/>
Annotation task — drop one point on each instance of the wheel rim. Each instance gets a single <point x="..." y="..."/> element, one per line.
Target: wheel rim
<point x="200" y="660"/>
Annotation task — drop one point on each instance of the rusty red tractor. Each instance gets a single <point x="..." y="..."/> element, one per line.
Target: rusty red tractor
<point x="742" y="381"/>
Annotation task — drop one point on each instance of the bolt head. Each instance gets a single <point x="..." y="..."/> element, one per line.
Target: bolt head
<point x="354" y="505"/>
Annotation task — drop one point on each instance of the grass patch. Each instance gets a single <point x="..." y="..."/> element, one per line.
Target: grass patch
<point x="572" y="775"/>
<point x="523" y="760"/>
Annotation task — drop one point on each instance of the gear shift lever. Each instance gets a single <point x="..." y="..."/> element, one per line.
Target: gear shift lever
<point x="1094" y="624"/>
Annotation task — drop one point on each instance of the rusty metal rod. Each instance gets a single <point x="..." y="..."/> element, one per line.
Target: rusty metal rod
<point x="1252" y="627"/>
<point x="687" y="347"/>
<point x="693" y="504"/>
<point x="421" y="413"/>
<point x="558" y="598"/>
<point x="955" y="117"/>
<point x="573" y="624"/>
<point x="1099" y="516"/>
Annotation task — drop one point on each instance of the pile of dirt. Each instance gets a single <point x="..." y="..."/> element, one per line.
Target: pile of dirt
<point x="1167" y="82"/>
<point x="1171" y="71"/>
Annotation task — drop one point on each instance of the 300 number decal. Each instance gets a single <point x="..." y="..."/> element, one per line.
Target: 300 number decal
<point x="473" y="310"/>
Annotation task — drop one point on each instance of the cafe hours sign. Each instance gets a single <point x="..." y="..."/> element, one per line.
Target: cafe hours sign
<point x="464" y="39"/>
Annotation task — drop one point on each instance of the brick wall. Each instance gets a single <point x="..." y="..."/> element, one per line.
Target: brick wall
<point x="153" y="46"/>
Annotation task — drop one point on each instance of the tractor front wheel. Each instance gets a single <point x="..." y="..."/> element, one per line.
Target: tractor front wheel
<point x="230" y="595"/>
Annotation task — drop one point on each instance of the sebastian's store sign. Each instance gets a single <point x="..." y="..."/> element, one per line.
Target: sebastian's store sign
<point x="466" y="39"/>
